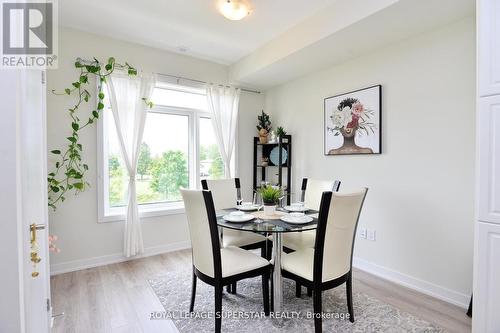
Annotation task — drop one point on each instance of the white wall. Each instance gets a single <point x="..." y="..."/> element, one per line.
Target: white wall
<point x="83" y="241"/>
<point x="421" y="194"/>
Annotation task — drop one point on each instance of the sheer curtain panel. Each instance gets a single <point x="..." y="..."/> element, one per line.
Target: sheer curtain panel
<point x="223" y="103"/>
<point x="130" y="111"/>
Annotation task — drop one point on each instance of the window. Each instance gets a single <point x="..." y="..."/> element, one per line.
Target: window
<point x="179" y="149"/>
<point x="211" y="165"/>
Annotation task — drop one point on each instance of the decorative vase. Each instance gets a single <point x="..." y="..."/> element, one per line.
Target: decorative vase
<point x="263" y="134"/>
<point x="272" y="138"/>
<point x="269" y="209"/>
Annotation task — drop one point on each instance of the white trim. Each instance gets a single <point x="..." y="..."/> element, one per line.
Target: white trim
<point x="424" y="287"/>
<point x="76" y="265"/>
<point x="118" y="215"/>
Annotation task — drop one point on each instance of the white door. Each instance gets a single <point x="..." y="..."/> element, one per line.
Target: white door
<point x="488" y="134"/>
<point x="24" y="296"/>
<point x="33" y="162"/>
<point x="488" y="23"/>
<point x="485" y="316"/>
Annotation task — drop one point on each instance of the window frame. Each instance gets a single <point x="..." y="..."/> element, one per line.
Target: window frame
<point x="114" y="214"/>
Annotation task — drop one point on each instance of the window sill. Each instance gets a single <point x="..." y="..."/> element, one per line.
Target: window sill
<point x="144" y="212"/>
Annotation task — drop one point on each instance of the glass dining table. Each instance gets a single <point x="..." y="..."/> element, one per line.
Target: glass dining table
<point x="269" y="225"/>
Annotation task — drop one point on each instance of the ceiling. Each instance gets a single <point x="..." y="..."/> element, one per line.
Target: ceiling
<point x="345" y="30"/>
<point x="281" y="39"/>
<point x="192" y="27"/>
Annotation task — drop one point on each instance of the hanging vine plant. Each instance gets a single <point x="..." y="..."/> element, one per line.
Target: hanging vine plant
<point x="68" y="172"/>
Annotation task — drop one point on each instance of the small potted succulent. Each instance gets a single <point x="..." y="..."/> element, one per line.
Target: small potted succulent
<point x="280" y="131"/>
<point x="271" y="196"/>
<point x="264" y="127"/>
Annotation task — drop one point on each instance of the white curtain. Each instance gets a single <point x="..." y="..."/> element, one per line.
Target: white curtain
<point x="130" y="111"/>
<point x="223" y="103"/>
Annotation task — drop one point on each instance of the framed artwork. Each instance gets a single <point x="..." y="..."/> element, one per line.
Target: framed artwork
<point x="353" y="122"/>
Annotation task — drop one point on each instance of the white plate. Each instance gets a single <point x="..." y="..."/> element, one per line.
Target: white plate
<point x="238" y="218"/>
<point x="296" y="219"/>
<point x="295" y="208"/>
<point x="248" y="208"/>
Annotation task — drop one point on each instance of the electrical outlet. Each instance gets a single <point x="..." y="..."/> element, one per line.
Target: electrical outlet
<point x="362" y="233"/>
<point x="371" y="234"/>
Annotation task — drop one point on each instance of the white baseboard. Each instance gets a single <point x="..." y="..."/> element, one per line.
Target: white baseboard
<point x="439" y="292"/>
<point x="77" y="265"/>
<point x="419" y="285"/>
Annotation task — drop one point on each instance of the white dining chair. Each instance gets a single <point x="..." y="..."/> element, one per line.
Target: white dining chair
<point x="329" y="263"/>
<point x="225" y="194"/>
<point x="312" y="189"/>
<point x="213" y="265"/>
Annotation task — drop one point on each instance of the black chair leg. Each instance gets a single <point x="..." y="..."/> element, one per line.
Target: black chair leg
<point x="349" y="298"/>
<point x="269" y="249"/>
<point x="233" y="288"/>
<point x="228" y="288"/>
<point x="318" y="322"/>
<point x="193" y="293"/>
<point x="298" y="289"/>
<point x="265" y="292"/>
<point x="309" y="292"/>
<point x="218" y="308"/>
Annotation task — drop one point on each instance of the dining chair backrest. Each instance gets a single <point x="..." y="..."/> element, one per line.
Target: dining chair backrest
<point x="203" y="231"/>
<point x="312" y="189"/>
<point x="338" y="219"/>
<point x="225" y="191"/>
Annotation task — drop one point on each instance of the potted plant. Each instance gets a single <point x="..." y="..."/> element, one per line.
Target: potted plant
<point x="280" y="131"/>
<point x="270" y="197"/>
<point x="264" y="127"/>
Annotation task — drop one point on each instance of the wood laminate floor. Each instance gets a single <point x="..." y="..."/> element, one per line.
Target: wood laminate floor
<point x="118" y="298"/>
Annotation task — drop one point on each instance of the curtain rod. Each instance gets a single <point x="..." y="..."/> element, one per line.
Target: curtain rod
<point x="85" y="61"/>
<point x="204" y="82"/>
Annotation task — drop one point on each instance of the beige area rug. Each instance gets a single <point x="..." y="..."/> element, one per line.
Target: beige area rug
<point x="371" y="314"/>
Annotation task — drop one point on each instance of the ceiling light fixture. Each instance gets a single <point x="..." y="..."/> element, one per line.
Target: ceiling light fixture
<point x="234" y="9"/>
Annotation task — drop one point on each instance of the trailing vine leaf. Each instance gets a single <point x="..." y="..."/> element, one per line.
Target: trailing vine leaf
<point x="69" y="170"/>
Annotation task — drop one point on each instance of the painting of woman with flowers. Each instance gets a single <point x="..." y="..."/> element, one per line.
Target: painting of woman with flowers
<point x="352" y="122"/>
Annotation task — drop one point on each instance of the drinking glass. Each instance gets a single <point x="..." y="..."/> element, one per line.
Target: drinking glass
<point x="299" y="201"/>
<point x="257" y="200"/>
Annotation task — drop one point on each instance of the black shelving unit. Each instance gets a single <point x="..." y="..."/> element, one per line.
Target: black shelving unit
<point x="261" y="173"/>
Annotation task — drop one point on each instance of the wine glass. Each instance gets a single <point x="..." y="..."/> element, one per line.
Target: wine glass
<point x="299" y="202"/>
<point x="257" y="201"/>
<point x="281" y="201"/>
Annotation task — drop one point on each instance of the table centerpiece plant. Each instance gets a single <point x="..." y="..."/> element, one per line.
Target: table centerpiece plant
<point x="271" y="196"/>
